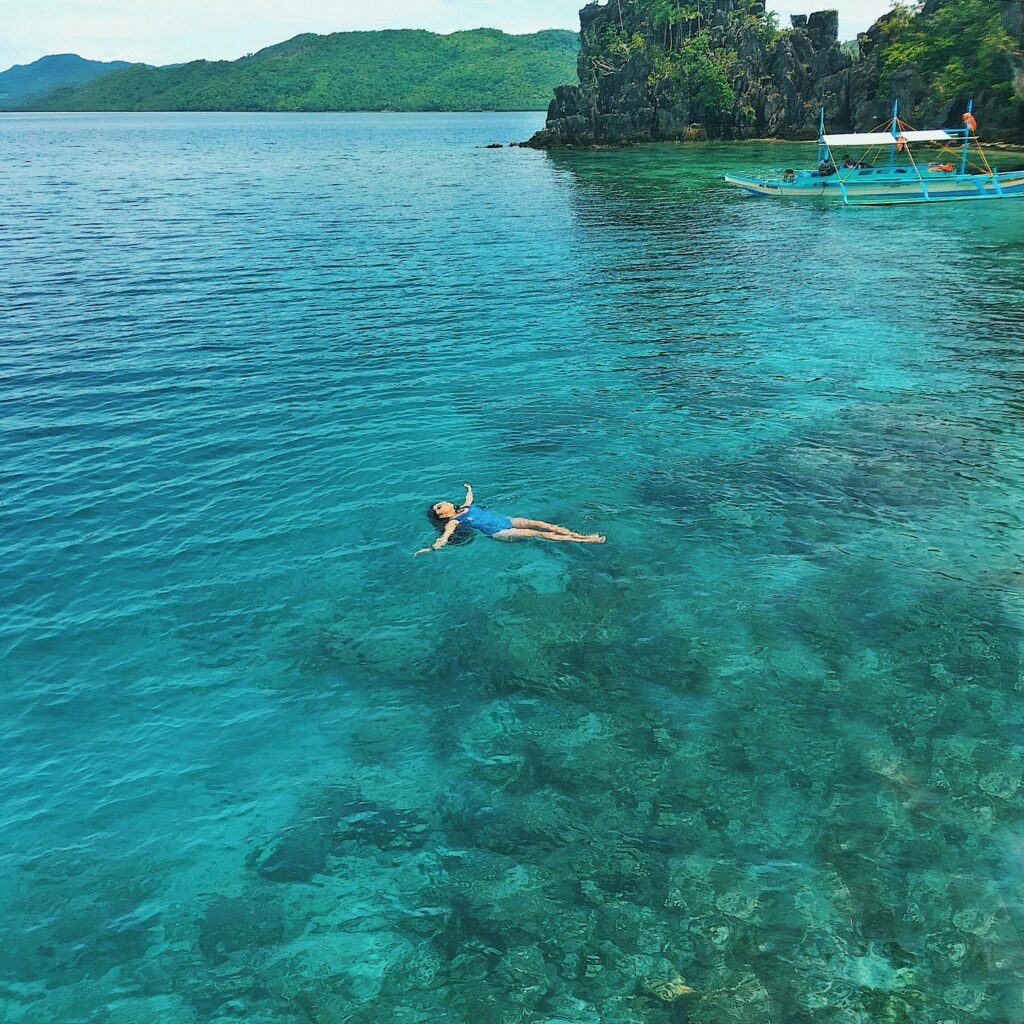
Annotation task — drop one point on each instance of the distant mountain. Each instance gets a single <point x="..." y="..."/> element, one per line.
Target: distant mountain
<point x="404" y="69"/>
<point x="25" y="82"/>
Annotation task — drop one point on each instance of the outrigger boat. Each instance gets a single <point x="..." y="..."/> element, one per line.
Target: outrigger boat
<point x="950" y="175"/>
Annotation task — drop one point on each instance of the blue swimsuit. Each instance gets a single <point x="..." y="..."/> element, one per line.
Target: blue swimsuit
<point x="488" y="523"/>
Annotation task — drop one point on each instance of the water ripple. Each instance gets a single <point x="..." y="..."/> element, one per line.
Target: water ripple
<point x="259" y="762"/>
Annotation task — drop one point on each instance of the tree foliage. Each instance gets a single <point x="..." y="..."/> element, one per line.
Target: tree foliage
<point x="699" y="72"/>
<point x="406" y="69"/>
<point x="960" y="46"/>
<point x="24" y="82"/>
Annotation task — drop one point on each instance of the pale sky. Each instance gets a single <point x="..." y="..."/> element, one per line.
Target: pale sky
<point x="173" y="31"/>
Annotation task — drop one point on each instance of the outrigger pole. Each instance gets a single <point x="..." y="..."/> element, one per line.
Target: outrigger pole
<point x="895" y="130"/>
<point x="967" y="138"/>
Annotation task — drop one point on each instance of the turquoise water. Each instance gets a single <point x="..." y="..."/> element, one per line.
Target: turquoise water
<point x="258" y="763"/>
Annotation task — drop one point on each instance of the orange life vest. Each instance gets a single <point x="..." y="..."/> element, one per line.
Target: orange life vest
<point x="972" y="123"/>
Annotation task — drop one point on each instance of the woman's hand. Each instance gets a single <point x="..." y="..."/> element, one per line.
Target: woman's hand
<point x="449" y="528"/>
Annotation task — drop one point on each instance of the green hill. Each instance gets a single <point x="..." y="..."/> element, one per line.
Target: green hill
<point x="406" y="69"/>
<point x="24" y="82"/>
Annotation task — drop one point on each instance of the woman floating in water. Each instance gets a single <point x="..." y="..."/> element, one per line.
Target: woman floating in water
<point x="448" y="518"/>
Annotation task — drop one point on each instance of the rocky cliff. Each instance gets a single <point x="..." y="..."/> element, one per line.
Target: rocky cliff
<point x="1012" y="19"/>
<point x="665" y="70"/>
<point x="717" y="70"/>
<point x="913" y="59"/>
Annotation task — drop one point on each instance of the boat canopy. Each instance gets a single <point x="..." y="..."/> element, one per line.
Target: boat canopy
<point x="886" y="138"/>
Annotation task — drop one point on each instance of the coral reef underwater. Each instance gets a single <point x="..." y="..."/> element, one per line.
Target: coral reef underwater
<point x="765" y="804"/>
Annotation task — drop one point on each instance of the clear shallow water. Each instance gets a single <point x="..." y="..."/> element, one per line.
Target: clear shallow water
<point x="257" y="763"/>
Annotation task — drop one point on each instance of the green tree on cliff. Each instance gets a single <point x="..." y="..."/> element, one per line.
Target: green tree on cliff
<point x="960" y="46"/>
<point x="699" y="72"/>
<point x="666" y="14"/>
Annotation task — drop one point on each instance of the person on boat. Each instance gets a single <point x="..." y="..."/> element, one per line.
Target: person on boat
<point x="825" y="168"/>
<point x="849" y="164"/>
<point x="448" y="517"/>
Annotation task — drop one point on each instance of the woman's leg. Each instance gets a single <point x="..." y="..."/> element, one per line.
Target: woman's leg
<point x="522" y="534"/>
<point x="539" y="524"/>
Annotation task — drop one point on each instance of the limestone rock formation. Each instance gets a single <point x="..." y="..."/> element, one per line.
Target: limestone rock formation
<point x="669" y="70"/>
<point x="1012" y="17"/>
<point x="634" y="76"/>
<point x="872" y="92"/>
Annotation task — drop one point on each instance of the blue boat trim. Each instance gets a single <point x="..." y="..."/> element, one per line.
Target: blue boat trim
<point x="892" y="184"/>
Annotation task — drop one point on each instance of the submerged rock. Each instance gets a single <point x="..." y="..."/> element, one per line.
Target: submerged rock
<point x="522" y="971"/>
<point x="231" y="924"/>
<point x="297" y="856"/>
<point x="302" y="851"/>
<point x="666" y="988"/>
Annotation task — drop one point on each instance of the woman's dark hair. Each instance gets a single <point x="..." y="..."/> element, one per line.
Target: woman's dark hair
<point x="462" y="534"/>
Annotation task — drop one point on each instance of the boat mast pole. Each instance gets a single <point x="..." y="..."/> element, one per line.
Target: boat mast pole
<point x="967" y="139"/>
<point x="895" y="130"/>
<point x="821" y="136"/>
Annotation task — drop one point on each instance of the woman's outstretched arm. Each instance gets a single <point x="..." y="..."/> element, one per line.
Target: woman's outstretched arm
<point x="469" y="494"/>
<point x="449" y="528"/>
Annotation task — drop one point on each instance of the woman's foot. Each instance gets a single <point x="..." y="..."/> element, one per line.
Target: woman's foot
<point x="591" y="538"/>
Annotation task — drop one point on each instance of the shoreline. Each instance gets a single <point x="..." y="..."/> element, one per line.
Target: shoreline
<point x="23" y="110"/>
<point x="1001" y="146"/>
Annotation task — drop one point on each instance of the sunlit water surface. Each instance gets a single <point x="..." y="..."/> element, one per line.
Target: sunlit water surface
<point x="258" y="763"/>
